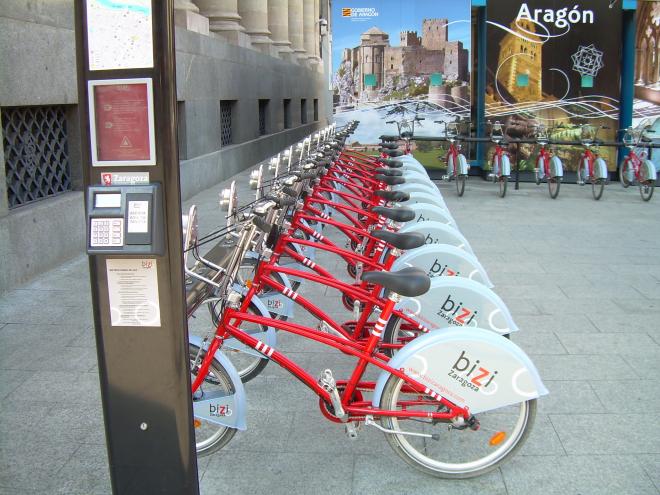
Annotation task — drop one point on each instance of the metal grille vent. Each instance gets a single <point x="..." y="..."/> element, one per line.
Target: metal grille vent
<point x="36" y="153"/>
<point x="263" y="105"/>
<point x="225" y="122"/>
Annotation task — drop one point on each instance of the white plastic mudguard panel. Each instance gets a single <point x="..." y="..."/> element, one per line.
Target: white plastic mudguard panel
<point x="425" y="212"/>
<point x="648" y="171"/>
<point x="439" y="233"/>
<point x="459" y="302"/>
<point x="600" y="169"/>
<point x="442" y="260"/>
<point x="556" y="167"/>
<point x="479" y="369"/>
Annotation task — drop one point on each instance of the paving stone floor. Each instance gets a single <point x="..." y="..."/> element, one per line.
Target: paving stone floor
<point x="582" y="280"/>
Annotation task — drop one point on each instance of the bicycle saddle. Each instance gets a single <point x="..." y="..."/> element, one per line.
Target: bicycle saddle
<point x="400" y="214"/>
<point x="398" y="196"/>
<point x="391" y="162"/>
<point x="400" y="240"/>
<point x="389" y="172"/>
<point x="406" y="134"/>
<point x="408" y="282"/>
<point x="391" y="146"/>
<point x="391" y="153"/>
<point x="390" y="181"/>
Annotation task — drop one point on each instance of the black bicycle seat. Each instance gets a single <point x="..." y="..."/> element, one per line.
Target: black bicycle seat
<point x="398" y="196"/>
<point x="400" y="240"/>
<point x="391" y="153"/>
<point x="389" y="172"/>
<point x="391" y="162"/>
<point x="390" y="181"/>
<point x="391" y="146"/>
<point x="408" y="282"/>
<point x="400" y="214"/>
<point x="406" y="134"/>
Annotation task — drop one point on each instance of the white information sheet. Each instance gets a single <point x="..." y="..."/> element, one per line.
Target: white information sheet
<point x="119" y="34"/>
<point x="138" y="217"/>
<point x="133" y="292"/>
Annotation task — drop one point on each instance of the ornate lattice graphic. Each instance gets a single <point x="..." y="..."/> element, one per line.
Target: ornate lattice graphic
<point x="225" y="122"/>
<point x="36" y="153"/>
<point x="587" y="61"/>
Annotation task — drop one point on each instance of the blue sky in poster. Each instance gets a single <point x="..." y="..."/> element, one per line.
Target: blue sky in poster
<point x="395" y="16"/>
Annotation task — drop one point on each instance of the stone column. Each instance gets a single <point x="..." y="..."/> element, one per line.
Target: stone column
<point x="254" y="14"/>
<point x="278" y="23"/>
<point x="310" y="36"/>
<point x="186" y="14"/>
<point x="296" y="29"/>
<point x="224" y="19"/>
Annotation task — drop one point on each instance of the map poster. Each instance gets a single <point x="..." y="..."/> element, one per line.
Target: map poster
<point x="556" y="64"/>
<point x="122" y="124"/>
<point x="397" y="60"/>
<point x="119" y="34"/>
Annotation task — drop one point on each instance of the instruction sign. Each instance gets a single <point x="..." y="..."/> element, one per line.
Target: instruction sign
<point x="121" y="122"/>
<point x="133" y="292"/>
<point x="119" y="34"/>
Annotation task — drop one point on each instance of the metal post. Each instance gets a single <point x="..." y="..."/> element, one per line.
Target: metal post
<point x="481" y="83"/>
<point x="143" y="350"/>
<point x="627" y="74"/>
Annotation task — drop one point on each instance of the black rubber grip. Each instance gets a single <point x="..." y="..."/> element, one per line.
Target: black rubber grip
<point x="290" y="191"/>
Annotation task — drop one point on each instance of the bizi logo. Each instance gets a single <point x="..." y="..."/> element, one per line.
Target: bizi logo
<point x="274" y="303"/>
<point x="220" y="411"/>
<point x="477" y="376"/>
<point x="438" y="269"/>
<point x="456" y="314"/>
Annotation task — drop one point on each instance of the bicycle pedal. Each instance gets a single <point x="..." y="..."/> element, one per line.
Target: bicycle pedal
<point x="352" y="430"/>
<point x="580" y="183"/>
<point x="445" y="177"/>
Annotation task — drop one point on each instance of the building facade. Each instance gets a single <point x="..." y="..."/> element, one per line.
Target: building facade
<point x="252" y="77"/>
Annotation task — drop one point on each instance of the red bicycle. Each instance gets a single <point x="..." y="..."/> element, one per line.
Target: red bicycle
<point x="637" y="167"/>
<point x="591" y="167"/>
<point x="548" y="165"/>
<point x="501" y="164"/>
<point x="457" y="165"/>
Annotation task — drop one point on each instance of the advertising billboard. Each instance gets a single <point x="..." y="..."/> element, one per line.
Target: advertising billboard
<point x="555" y="63"/>
<point x="394" y="60"/>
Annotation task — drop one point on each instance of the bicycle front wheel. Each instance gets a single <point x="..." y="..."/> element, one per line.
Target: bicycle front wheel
<point x="646" y="189"/>
<point x="210" y="437"/>
<point x="457" y="453"/>
<point x="624" y="173"/>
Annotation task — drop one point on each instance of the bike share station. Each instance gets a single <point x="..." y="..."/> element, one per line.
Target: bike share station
<point x="413" y="272"/>
<point x="127" y="95"/>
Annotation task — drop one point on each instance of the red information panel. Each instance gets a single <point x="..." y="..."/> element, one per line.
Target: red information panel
<point x="122" y="123"/>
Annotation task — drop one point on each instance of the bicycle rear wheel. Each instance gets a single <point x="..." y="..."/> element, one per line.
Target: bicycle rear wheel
<point x="210" y="437"/>
<point x="646" y="189"/>
<point x="597" y="187"/>
<point x="553" y="186"/>
<point x="460" y="184"/>
<point x="458" y="453"/>
<point x="503" y="182"/>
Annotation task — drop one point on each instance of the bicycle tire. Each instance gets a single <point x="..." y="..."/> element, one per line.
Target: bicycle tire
<point x="646" y="189"/>
<point x="623" y="170"/>
<point x="503" y="182"/>
<point x="460" y="184"/>
<point x="597" y="188"/>
<point x="456" y="466"/>
<point x="540" y="165"/>
<point x="218" y="435"/>
<point x="553" y="187"/>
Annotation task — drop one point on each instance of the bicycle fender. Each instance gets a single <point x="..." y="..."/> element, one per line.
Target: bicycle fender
<point x="540" y="167"/>
<point x="460" y="302"/>
<point x="556" y="167"/>
<point x="443" y="260"/>
<point x="429" y="198"/>
<point x="629" y="174"/>
<point x="477" y="369"/>
<point x="506" y="166"/>
<point x="600" y="168"/>
<point x="439" y="233"/>
<point x="225" y="410"/>
<point x="648" y="171"/>
<point x="463" y="166"/>
<point x="414" y="167"/>
<point x="418" y="179"/>
<point x="413" y="188"/>
<point x="425" y="212"/>
<point x="276" y="302"/>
